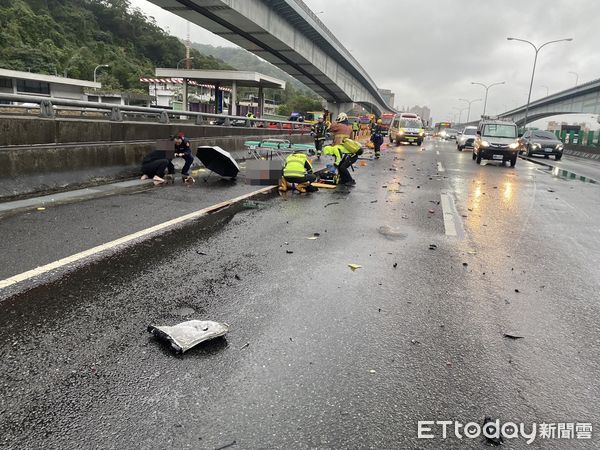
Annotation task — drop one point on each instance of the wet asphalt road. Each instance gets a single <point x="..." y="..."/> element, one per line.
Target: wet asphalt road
<point x="335" y="358"/>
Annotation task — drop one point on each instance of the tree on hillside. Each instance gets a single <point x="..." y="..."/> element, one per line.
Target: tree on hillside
<point x="73" y="37"/>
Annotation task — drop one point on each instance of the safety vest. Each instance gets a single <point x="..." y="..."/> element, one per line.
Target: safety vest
<point x="335" y="151"/>
<point x="295" y="165"/>
<point x="355" y="126"/>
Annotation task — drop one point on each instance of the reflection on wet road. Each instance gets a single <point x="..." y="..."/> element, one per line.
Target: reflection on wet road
<point x="319" y="355"/>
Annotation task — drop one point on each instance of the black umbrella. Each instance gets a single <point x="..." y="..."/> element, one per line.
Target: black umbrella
<point x="218" y="161"/>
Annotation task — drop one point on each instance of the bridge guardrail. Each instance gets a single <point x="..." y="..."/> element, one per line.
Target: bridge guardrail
<point x="109" y="111"/>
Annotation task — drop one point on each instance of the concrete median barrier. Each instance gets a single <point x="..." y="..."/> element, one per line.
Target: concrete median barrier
<point x="45" y="155"/>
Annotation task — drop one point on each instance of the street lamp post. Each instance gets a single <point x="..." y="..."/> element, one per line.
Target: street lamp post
<point x="460" y="110"/>
<point x="97" y="67"/>
<point x="576" y="77"/>
<point x="547" y="90"/>
<point x="537" y="50"/>
<point x="182" y="60"/>
<point x="469" y="102"/>
<point x="487" y="88"/>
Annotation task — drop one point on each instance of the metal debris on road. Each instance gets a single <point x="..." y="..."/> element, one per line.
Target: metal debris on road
<point x="353" y="267"/>
<point x="41" y="208"/>
<point x="432" y="247"/>
<point x="231" y="444"/>
<point x="332" y="203"/>
<point x="395" y="265"/>
<point x="513" y="336"/>
<point x="200" y="253"/>
<point x="247" y="344"/>
<point x="289" y="252"/>
<point x="312" y="238"/>
<point x="186" y="335"/>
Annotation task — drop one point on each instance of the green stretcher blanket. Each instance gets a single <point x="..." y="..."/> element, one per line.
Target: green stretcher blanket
<point x="277" y="145"/>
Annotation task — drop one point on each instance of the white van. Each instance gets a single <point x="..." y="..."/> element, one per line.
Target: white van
<point x="407" y="127"/>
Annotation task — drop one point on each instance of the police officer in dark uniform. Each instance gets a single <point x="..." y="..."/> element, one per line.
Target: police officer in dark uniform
<point x="377" y="137"/>
<point x="184" y="149"/>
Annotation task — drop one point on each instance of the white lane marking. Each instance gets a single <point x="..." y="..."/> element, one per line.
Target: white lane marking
<point x="437" y="152"/>
<point x="452" y="222"/>
<point x="125" y="239"/>
<point x="440" y="167"/>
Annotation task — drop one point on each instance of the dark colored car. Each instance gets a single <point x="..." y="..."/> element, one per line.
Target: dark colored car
<point x="538" y="142"/>
<point x="497" y="141"/>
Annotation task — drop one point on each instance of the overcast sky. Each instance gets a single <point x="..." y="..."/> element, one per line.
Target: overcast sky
<point x="428" y="52"/>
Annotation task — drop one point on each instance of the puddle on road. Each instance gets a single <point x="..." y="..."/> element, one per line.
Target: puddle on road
<point x="391" y="233"/>
<point x="557" y="172"/>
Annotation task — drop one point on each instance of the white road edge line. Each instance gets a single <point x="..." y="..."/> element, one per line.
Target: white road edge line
<point x="440" y="167"/>
<point x="125" y="239"/>
<point x="452" y="222"/>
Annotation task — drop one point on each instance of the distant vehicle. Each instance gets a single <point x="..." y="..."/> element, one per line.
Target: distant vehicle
<point x="312" y="116"/>
<point x="406" y="127"/>
<point x="496" y="140"/>
<point x="439" y="127"/>
<point x="448" y="134"/>
<point x="386" y="121"/>
<point x="466" y="138"/>
<point x="537" y="142"/>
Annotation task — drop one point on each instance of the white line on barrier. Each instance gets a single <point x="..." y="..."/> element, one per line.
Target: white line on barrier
<point x="125" y="239"/>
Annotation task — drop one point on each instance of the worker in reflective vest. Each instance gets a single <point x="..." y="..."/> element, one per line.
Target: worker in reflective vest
<point x="298" y="173"/>
<point x="355" y="129"/>
<point x="343" y="159"/>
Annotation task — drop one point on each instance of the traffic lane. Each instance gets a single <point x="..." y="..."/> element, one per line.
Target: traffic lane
<point x="580" y="166"/>
<point x="35" y="238"/>
<point x="325" y="365"/>
<point x="534" y="242"/>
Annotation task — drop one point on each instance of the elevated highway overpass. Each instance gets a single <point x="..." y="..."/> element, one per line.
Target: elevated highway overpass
<point x="582" y="99"/>
<point x="290" y="36"/>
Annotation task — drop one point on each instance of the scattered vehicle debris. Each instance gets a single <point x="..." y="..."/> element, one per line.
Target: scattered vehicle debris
<point x="187" y="335"/>
<point x="513" y="336"/>
<point x="353" y="267"/>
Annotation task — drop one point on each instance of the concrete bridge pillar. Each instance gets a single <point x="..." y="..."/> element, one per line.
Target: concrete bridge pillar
<point x="336" y="108"/>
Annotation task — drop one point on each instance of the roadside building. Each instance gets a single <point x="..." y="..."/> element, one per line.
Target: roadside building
<point x="40" y="85"/>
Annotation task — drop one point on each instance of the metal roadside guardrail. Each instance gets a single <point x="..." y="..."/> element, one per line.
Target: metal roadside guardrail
<point x="52" y="107"/>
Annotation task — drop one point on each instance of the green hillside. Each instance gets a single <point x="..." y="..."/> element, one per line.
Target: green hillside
<point x="74" y="36"/>
<point x="296" y="97"/>
<point x="244" y="60"/>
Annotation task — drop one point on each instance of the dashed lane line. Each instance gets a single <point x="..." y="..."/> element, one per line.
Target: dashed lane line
<point x="452" y="221"/>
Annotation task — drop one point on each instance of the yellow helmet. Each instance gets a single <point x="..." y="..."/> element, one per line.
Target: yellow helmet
<point x="379" y="121"/>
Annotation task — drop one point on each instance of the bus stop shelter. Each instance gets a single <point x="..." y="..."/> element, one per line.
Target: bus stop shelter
<point x="224" y="78"/>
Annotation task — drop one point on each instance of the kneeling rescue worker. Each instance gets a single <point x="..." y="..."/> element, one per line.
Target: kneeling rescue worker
<point x="297" y="173"/>
<point x="345" y="155"/>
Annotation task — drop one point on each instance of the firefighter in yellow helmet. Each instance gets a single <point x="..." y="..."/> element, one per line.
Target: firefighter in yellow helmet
<point x="298" y="173"/>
